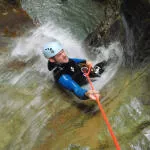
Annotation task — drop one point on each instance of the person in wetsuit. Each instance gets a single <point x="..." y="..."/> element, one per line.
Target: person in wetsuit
<point x="67" y="72"/>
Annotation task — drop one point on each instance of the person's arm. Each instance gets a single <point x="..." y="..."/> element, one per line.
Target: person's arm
<point x="67" y="82"/>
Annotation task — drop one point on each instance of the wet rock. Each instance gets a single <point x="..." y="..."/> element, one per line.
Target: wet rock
<point x="128" y="111"/>
<point x="14" y="2"/>
<point x="135" y="15"/>
<point x="14" y="21"/>
<point x="131" y="27"/>
<point x="105" y="35"/>
<point x="99" y="0"/>
<point x="109" y="29"/>
<point x="16" y="65"/>
<point x="8" y="4"/>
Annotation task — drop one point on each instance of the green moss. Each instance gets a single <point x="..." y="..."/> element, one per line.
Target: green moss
<point x="5" y="136"/>
<point x="9" y="130"/>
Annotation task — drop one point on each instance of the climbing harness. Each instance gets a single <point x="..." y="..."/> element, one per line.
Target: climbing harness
<point x="86" y="72"/>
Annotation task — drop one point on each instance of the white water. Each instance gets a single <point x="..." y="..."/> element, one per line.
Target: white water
<point x="81" y="17"/>
<point x="113" y="52"/>
<point x="30" y="46"/>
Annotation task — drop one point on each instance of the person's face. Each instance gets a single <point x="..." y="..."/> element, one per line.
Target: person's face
<point x="61" y="57"/>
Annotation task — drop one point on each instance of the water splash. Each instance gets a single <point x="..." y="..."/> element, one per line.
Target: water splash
<point x="113" y="55"/>
<point x="30" y="47"/>
<point x="70" y="14"/>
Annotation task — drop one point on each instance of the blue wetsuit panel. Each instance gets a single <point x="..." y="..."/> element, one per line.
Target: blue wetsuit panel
<point x="77" y="60"/>
<point x="67" y="82"/>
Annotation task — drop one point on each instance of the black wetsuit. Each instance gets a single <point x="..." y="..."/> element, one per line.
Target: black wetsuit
<point x="70" y="76"/>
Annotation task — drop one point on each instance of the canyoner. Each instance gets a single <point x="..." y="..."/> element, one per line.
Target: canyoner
<point x="69" y="72"/>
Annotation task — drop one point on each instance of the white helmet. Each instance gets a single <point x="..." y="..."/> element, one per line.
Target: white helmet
<point x="51" y="49"/>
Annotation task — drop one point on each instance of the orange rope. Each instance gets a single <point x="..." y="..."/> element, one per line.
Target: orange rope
<point x="103" y="112"/>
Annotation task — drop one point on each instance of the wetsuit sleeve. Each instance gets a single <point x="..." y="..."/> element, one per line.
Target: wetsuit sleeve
<point x="67" y="82"/>
<point x="77" y="60"/>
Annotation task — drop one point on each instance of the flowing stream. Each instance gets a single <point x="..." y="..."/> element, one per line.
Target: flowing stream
<point x="35" y="112"/>
<point x="81" y="17"/>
